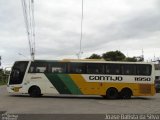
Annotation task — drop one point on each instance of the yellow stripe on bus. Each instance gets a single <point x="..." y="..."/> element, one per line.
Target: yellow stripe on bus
<point x="86" y="87"/>
<point x="100" y="88"/>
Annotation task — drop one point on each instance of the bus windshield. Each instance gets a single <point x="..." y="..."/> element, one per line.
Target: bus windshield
<point x="18" y="72"/>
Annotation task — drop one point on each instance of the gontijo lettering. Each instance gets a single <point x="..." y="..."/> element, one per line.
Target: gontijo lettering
<point x="108" y="78"/>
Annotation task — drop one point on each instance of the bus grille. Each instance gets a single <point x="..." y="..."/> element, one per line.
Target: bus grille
<point x="145" y="88"/>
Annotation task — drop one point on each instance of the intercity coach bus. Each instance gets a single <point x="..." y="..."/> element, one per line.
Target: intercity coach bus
<point x="82" y="77"/>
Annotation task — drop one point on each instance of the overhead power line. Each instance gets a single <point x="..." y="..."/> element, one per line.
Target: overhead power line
<point x="28" y="13"/>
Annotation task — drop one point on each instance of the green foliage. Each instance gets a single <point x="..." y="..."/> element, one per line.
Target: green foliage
<point x="94" y="56"/>
<point x="3" y="78"/>
<point x="134" y="59"/>
<point x="114" y="56"/>
<point x="3" y="82"/>
<point x="131" y="59"/>
<point x="140" y="59"/>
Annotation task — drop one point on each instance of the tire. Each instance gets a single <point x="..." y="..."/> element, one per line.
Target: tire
<point x="35" y="91"/>
<point x="104" y="96"/>
<point x="112" y="93"/>
<point x="126" y="94"/>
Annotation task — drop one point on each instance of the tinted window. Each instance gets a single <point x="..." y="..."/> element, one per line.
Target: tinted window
<point x="129" y="69"/>
<point x="38" y="67"/>
<point x="108" y="69"/>
<point x="77" y="68"/>
<point x="47" y="67"/>
<point x="144" y="70"/>
<point x="93" y="68"/>
<point x="114" y="69"/>
<point x="57" y="67"/>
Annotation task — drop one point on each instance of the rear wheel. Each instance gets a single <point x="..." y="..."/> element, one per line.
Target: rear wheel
<point x="104" y="96"/>
<point x="112" y="93"/>
<point x="126" y="94"/>
<point x="35" y="91"/>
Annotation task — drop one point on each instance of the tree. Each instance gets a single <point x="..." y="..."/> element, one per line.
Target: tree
<point x="140" y="59"/>
<point x="131" y="59"/>
<point x="3" y="77"/>
<point x="114" y="56"/>
<point x="135" y="59"/>
<point x="94" y="56"/>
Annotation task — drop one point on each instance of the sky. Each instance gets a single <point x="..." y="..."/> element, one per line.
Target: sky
<point x="108" y="25"/>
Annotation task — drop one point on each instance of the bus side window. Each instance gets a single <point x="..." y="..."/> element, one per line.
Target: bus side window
<point x="31" y="69"/>
<point x="144" y="70"/>
<point x="38" y="67"/>
<point x="115" y="69"/>
<point x="93" y="68"/>
<point x="129" y="69"/>
<point x="58" y="67"/>
<point x="57" y="70"/>
<point x="108" y="69"/>
<point x="79" y="68"/>
<point x="148" y="70"/>
<point x="41" y="69"/>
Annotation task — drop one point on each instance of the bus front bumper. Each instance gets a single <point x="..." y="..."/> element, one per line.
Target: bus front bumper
<point x="16" y="89"/>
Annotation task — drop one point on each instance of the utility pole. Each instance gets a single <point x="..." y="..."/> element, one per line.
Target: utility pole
<point x="32" y="55"/>
<point x="28" y="13"/>
<point x="81" y="36"/>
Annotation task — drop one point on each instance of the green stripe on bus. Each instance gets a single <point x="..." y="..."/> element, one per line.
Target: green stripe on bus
<point x="70" y="84"/>
<point x="58" y="83"/>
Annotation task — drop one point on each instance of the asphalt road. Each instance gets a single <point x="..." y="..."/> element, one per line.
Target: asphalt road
<point x="64" y="104"/>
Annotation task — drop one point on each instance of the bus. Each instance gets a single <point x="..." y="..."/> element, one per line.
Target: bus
<point x="109" y="79"/>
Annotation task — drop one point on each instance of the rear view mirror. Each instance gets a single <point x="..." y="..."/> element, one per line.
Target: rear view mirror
<point x="7" y="70"/>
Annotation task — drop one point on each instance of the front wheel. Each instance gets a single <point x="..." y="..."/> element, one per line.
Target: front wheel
<point x="35" y="92"/>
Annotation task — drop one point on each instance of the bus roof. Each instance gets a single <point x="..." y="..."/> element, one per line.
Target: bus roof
<point x="88" y="61"/>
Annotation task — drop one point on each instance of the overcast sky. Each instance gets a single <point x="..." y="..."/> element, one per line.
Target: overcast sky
<point x="125" y="25"/>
